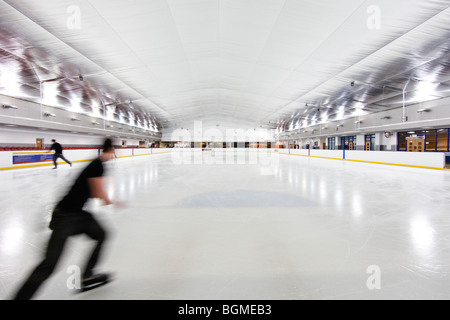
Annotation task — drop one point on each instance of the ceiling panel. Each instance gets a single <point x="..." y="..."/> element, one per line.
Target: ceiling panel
<point x="253" y="61"/>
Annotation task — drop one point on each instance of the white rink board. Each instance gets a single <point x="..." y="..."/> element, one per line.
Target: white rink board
<point x="433" y="160"/>
<point x="415" y="159"/>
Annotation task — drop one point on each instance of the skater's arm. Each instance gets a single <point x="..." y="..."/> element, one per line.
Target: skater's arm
<point x="98" y="191"/>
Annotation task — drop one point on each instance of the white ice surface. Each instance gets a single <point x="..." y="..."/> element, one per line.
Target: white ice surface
<point x="287" y="228"/>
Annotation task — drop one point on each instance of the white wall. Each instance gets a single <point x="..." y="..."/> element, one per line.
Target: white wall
<point x="22" y="137"/>
<point x="390" y="143"/>
<point x="360" y="142"/>
<point x="207" y="131"/>
<point x="17" y="137"/>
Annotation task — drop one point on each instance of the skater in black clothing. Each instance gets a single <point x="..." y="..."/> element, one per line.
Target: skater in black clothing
<point x="58" y="153"/>
<point x="70" y="219"/>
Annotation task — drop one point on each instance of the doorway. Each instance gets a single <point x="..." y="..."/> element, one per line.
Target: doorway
<point x="416" y="145"/>
<point x="40" y="143"/>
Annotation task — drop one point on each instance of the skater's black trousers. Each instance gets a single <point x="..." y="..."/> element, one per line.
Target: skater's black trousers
<point x="64" y="225"/>
<point x="56" y="156"/>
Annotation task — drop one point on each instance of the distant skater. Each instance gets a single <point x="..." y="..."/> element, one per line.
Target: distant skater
<point x="69" y="219"/>
<point x="58" y="153"/>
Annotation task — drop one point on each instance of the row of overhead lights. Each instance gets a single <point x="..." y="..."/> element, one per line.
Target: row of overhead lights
<point x="420" y="111"/>
<point x="353" y="84"/>
<point x="307" y="105"/>
<point x="95" y="123"/>
<point x="46" y="114"/>
<point x="358" y="122"/>
<point x="81" y="78"/>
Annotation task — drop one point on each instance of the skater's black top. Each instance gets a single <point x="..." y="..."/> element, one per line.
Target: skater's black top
<point x="80" y="191"/>
<point x="57" y="147"/>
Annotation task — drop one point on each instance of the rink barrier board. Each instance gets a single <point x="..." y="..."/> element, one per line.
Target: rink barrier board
<point x="80" y="155"/>
<point x="74" y="156"/>
<point x="348" y="156"/>
<point x="88" y="155"/>
<point x="46" y="164"/>
<point x="11" y="159"/>
<point x="434" y="161"/>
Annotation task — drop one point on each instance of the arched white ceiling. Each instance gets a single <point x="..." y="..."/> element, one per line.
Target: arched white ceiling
<point x="260" y="62"/>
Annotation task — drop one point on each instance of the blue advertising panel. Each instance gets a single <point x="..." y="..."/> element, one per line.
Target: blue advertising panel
<point x="31" y="157"/>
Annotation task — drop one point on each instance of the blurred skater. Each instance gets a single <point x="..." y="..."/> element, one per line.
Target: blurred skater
<point x="69" y="219"/>
<point x="58" y="153"/>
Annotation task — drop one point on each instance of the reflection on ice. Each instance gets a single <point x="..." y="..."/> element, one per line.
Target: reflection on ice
<point x="245" y="198"/>
<point x="422" y="236"/>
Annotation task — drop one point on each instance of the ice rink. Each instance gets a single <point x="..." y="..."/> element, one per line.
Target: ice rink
<point x="228" y="226"/>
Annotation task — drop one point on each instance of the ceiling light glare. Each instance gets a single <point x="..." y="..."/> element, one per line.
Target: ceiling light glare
<point x="50" y="93"/>
<point x="426" y="91"/>
<point x="10" y="80"/>
<point x="76" y="104"/>
<point x="95" y="109"/>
